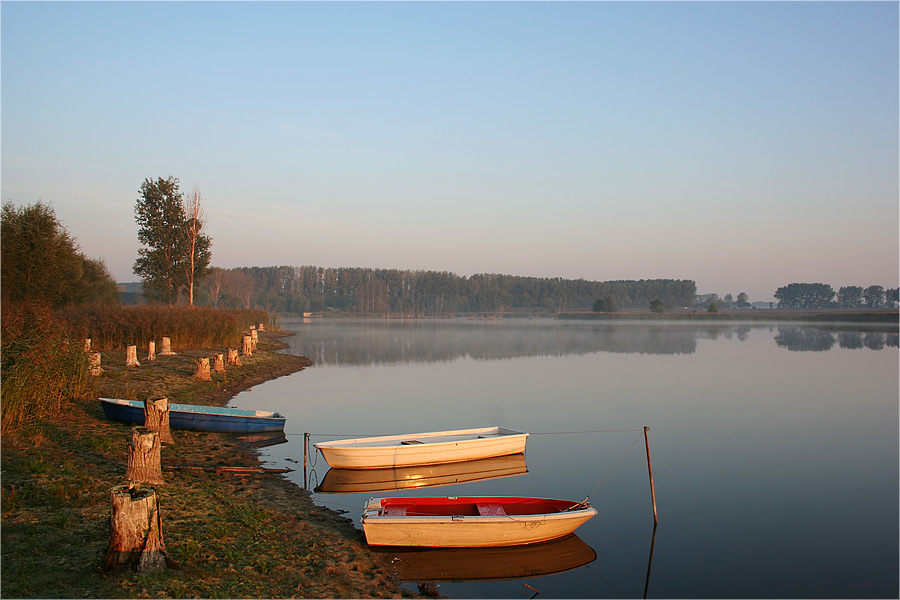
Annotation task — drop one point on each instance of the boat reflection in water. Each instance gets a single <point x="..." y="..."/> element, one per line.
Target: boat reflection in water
<point x="509" y="562"/>
<point x="357" y="481"/>
<point x="264" y="439"/>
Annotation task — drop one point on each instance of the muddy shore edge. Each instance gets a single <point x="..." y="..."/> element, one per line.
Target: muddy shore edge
<point x="233" y="529"/>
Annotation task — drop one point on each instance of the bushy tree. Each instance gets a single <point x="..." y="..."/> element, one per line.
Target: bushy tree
<point x="874" y="295"/>
<point x="850" y="296"/>
<point x="657" y="306"/>
<point x="606" y="304"/>
<point x="177" y="254"/>
<point x="804" y="295"/>
<point x="41" y="262"/>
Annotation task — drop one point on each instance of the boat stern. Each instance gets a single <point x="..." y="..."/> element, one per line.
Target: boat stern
<point x="371" y="509"/>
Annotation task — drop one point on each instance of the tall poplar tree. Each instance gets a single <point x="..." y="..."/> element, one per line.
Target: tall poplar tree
<point x="163" y="227"/>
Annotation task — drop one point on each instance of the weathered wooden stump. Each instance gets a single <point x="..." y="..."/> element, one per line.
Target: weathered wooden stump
<point x="254" y="337"/>
<point x="247" y="349"/>
<point x="87" y="345"/>
<point x="95" y="364"/>
<point x="131" y="357"/>
<point x="144" y="451"/>
<point x="156" y="418"/>
<point x="166" y="347"/>
<point x="219" y="364"/>
<point x="151" y="351"/>
<point x="262" y="327"/>
<point x="135" y="530"/>
<point x="203" y="370"/>
<point x="233" y="358"/>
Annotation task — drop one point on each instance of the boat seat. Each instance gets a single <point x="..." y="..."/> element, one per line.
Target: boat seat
<point x="395" y="511"/>
<point x="491" y="510"/>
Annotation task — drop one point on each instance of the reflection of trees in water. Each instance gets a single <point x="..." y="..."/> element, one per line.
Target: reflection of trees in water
<point x="373" y="342"/>
<point x="808" y="339"/>
<point x="365" y="342"/>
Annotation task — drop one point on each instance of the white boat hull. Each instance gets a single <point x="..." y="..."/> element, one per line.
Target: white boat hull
<point x="422" y="448"/>
<point x="468" y="531"/>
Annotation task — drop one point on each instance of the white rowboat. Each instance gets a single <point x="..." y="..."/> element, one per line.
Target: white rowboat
<point x="436" y="447"/>
<point x="470" y="522"/>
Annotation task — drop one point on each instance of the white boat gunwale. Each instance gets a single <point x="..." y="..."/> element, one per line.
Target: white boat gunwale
<point x="427" y="448"/>
<point x="432" y="437"/>
<point x="492" y="526"/>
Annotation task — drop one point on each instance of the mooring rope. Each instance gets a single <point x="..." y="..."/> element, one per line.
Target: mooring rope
<point x="605" y="477"/>
<point x="357" y="435"/>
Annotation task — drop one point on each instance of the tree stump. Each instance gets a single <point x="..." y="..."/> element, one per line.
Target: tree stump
<point x="247" y="349"/>
<point x="166" y="347"/>
<point x="156" y="418"/>
<point x="131" y="357"/>
<point x="151" y="351"/>
<point x="135" y="530"/>
<point x="261" y="327"/>
<point x="203" y="370"/>
<point x="233" y="358"/>
<point x="144" y="464"/>
<point x="219" y="365"/>
<point x="87" y="345"/>
<point x="95" y="364"/>
<point x="254" y="337"/>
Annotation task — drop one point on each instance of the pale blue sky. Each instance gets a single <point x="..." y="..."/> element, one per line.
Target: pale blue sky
<point x="745" y="145"/>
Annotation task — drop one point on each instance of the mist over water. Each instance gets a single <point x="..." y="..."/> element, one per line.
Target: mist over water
<point x="774" y="445"/>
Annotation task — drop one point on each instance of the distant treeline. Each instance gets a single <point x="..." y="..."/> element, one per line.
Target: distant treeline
<point x="409" y="293"/>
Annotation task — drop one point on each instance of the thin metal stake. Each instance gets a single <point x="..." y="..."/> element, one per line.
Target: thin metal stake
<point x="305" y="446"/>
<point x="650" y="470"/>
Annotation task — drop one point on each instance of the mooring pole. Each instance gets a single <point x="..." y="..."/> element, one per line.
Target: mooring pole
<point x="650" y="470"/>
<point x="305" y="446"/>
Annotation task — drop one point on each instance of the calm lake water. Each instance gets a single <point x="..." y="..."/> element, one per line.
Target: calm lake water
<point x="774" y="447"/>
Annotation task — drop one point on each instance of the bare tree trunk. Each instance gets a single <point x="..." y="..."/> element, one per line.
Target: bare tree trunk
<point x="151" y="351"/>
<point x="194" y="212"/>
<point x="87" y="345"/>
<point x="233" y="358"/>
<point x="135" y="530"/>
<point x="144" y="465"/>
<point x="203" y="370"/>
<point x="95" y="364"/>
<point x="131" y="357"/>
<point x="166" y="347"/>
<point x="156" y="418"/>
<point x="219" y="365"/>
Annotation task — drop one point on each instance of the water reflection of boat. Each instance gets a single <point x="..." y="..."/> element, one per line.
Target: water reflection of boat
<point x="428" y="448"/>
<point x="264" y="439"/>
<point x="515" y="562"/>
<point x="359" y="481"/>
<point x="470" y="521"/>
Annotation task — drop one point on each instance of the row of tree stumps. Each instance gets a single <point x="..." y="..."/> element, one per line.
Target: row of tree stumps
<point x="135" y="522"/>
<point x="248" y="347"/>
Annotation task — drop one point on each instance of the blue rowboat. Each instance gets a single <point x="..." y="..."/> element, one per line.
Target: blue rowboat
<point x="198" y="418"/>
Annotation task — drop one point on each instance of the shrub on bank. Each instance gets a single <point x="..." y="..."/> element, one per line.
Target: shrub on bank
<point x="187" y="326"/>
<point x="40" y="362"/>
<point x="42" y="359"/>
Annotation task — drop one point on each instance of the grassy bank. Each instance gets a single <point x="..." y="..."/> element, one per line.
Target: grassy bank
<point x="234" y="534"/>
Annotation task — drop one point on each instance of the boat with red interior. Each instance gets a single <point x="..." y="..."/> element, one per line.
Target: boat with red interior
<point x="470" y="521"/>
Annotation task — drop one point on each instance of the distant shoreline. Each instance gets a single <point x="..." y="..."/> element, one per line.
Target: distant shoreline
<point x="891" y="316"/>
